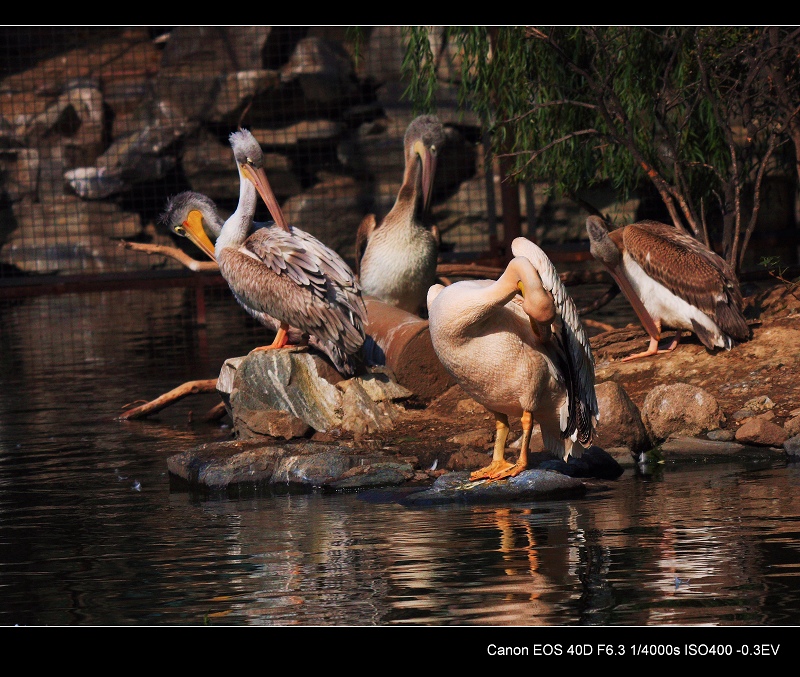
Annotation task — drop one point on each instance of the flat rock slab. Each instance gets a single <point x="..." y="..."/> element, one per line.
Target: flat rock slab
<point x="302" y="466"/>
<point x="681" y="449"/>
<point x="306" y="466"/>
<point x="593" y="462"/>
<point x="531" y="485"/>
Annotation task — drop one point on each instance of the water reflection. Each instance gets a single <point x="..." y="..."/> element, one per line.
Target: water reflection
<point x="92" y="534"/>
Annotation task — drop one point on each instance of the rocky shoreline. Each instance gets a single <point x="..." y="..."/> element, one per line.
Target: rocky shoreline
<point x="688" y="406"/>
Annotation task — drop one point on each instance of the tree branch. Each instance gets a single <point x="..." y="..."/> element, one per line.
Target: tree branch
<point x="771" y="145"/>
<point x="171" y="252"/>
<point x="165" y="400"/>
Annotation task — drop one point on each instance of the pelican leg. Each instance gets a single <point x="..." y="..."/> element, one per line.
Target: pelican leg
<point x="676" y="339"/>
<point x="499" y="463"/>
<point x="281" y="339"/>
<point x="522" y="461"/>
<point x="653" y="348"/>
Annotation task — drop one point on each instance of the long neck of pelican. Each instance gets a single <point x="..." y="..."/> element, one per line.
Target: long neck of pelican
<point x="507" y="285"/>
<point x="406" y="203"/>
<point x="521" y="275"/>
<point x="236" y="228"/>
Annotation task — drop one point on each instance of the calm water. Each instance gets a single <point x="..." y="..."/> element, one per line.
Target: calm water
<point x="92" y="534"/>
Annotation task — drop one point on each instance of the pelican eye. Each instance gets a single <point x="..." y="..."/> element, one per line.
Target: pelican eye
<point x="180" y="230"/>
<point x="433" y="150"/>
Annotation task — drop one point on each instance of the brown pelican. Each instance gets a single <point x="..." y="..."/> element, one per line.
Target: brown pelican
<point x="280" y="271"/>
<point x="396" y="258"/>
<point x="671" y="280"/>
<point x="516" y="346"/>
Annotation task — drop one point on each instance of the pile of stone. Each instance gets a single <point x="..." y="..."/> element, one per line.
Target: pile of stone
<point x="86" y="134"/>
<point x="94" y="140"/>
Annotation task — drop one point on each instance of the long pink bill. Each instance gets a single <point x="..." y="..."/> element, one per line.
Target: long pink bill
<point x="428" y="160"/>
<point x="633" y="298"/>
<point x="259" y="179"/>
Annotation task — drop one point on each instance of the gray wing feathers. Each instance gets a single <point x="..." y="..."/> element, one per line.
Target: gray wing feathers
<point x="311" y="287"/>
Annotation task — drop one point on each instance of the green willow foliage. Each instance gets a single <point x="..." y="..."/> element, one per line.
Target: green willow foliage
<point x="578" y="105"/>
<point x="418" y="65"/>
<point x="579" y="95"/>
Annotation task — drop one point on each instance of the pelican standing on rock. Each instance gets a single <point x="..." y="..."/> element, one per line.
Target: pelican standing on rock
<point x="396" y="258"/>
<point x="516" y="345"/>
<point x="190" y="212"/>
<point x="281" y="271"/>
<point x="671" y="280"/>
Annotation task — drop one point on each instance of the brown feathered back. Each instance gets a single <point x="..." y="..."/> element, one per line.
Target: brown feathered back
<point x="689" y="269"/>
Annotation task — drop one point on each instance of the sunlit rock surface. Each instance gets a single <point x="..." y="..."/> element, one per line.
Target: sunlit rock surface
<point x="304" y="385"/>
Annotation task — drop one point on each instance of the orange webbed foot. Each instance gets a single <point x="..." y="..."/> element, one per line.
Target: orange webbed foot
<point x="491" y="471"/>
<point x="653" y="348"/>
<point x="513" y="471"/>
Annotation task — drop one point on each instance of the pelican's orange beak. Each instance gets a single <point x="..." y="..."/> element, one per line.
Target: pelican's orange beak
<point x="193" y="229"/>
<point x="259" y="179"/>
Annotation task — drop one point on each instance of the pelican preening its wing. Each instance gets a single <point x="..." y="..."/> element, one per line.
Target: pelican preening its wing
<point x="671" y="280"/>
<point x="278" y="272"/>
<point x="396" y="258"/>
<point x="190" y="212"/>
<point x="516" y="345"/>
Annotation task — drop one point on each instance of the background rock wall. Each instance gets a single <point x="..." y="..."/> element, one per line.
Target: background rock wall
<point x="100" y="125"/>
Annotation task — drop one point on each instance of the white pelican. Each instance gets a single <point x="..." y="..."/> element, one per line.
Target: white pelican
<point x="671" y="280"/>
<point x="516" y="345"/>
<point x="396" y="258"/>
<point x="280" y="271"/>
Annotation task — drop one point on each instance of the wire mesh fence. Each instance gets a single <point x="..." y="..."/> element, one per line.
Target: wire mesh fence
<point x="99" y="126"/>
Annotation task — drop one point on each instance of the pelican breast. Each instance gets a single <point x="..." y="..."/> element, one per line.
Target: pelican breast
<point x="491" y="351"/>
<point x="399" y="265"/>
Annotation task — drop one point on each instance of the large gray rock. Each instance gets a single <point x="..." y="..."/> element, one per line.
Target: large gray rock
<point x="792" y="447"/>
<point x="680" y="409"/>
<point x="303" y="386"/>
<point x="323" y="69"/>
<point x="207" y="72"/>
<point x="66" y="235"/>
<point x="687" y="450"/>
<point x="136" y="157"/>
<point x="331" y="211"/>
<point x="530" y="485"/>
<point x="305" y="131"/>
<point x="302" y="466"/>
<point x="289" y="380"/>
<point x="215" y="48"/>
<point x="384" y="54"/>
<point x="210" y="168"/>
